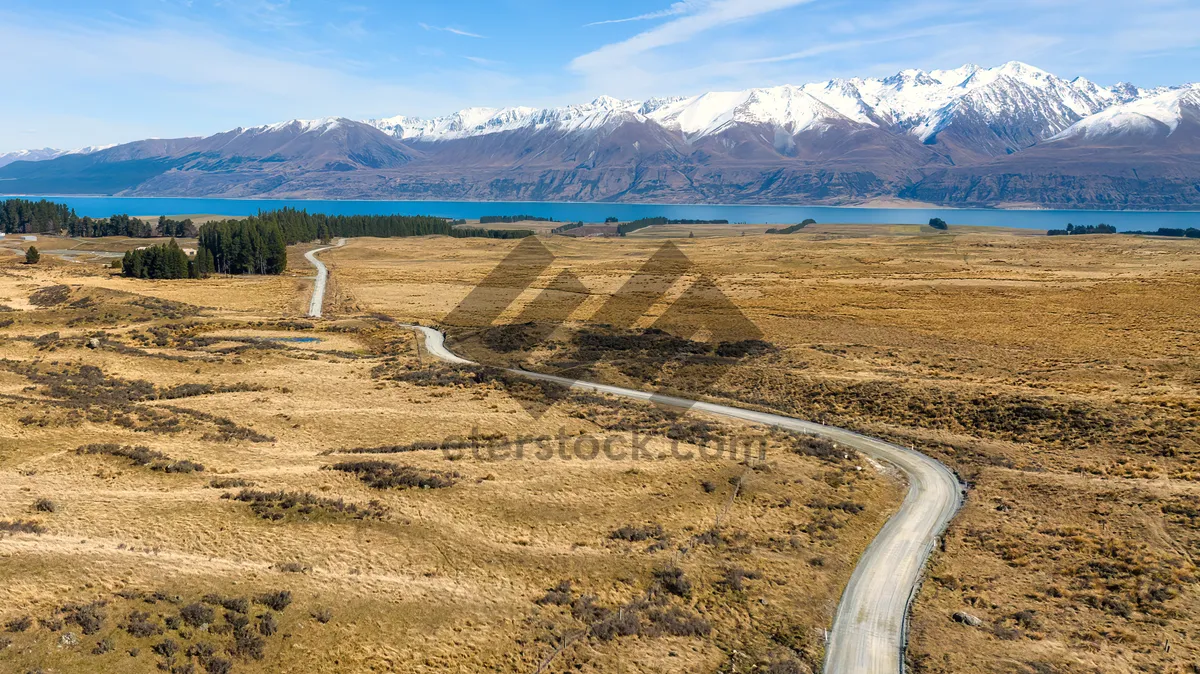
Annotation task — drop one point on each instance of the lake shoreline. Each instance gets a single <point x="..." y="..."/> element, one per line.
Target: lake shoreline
<point x="906" y="213"/>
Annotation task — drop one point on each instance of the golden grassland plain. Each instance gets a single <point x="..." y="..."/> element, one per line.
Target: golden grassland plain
<point x="177" y="492"/>
<point x="1058" y="375"/>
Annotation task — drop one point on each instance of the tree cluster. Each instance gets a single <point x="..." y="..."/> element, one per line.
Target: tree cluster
<point x="301" y="226"/>
<point x="492" y="219"/>
<point x="1084" y="229"/>
<point x="22" y="216"/>
<point x="116" y="225"/>
<point x="176" y="228"/>
<point x="1190" y="232"/>
<point x="561" y="229"/>
<point x="164" y="261"/>
<point x="938" y="223"/>
<point x="793" y="228"/>
<point x="250" y="246"/>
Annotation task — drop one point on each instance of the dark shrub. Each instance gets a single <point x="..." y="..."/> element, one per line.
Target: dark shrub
<point x="215" y="665"/>
<point x="276" y="601"/>
<point x="674" y="581"/>
<point x="267" y="624"/>
<point x="166" y="648"/>
<point x="89" y="617"/>
<point x="679" y="622"/>
<point x="21" y="527"/>
<point x="247" y="644"/>
<point x="385" y="474"/>
<point x="197" y="614"/>
<point x="623" y="623"/>
<point x="322" y="615"/>
<point x="45" y="505"/>
<point x="19" y="624"/>
<point x="138" y="624"/>
<point x="201" y="649"/>
<point x="559" y="595"/>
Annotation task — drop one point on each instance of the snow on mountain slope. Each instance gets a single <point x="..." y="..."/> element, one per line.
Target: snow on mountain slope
<point x="1156" y="114"/>
<point x="786" y="107"/>
<point x="914" y="101"/>
<point x="44" y="154"/>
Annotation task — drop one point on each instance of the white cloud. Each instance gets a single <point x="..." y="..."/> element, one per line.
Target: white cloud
<point x="674" y="10"/>
<point x="624" y="63"/>
<point x="479" y="60"/>
<point x="448" y="29"/>
<point x="186" y="80"/>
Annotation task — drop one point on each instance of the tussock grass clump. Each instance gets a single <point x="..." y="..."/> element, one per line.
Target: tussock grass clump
<point x="292" y="567"/>
<point x="143" y="456"/>
<point x="848" y="507"/>
<point x="103" y="646"/>
<point x="229" y="483"/>
<point x="275" y="505"/>
<point x="735" y="579"/>
<point x="21" y="527"/>
<point x="386" y="475"/>
<point x="636" y="533"/>
<point x="45" y="505"/>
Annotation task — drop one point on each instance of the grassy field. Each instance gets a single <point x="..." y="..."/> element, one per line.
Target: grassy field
<point x="192" y="476"/>
<point x="1058" y="376"/>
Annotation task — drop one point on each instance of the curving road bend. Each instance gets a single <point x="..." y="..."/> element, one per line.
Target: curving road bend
<point x="318" y="295"/>
<point x="869" y="628"/>
<point x="869" y="631"/>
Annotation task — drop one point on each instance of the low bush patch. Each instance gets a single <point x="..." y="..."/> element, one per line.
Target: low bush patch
<point x="385" y="475"/>
<point x="143" y="456"/>
<point x="275" y="505"/>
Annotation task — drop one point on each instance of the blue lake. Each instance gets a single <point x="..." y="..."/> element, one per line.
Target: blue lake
<point x="97" y="207"/>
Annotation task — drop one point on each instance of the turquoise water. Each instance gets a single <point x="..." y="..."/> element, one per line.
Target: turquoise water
<point x="97" y="207"/>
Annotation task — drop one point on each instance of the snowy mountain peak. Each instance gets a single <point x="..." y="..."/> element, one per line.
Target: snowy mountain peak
<point x="1157" y="114"/>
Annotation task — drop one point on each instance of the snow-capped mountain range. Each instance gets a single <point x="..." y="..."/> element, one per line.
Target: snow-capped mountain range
<point x="1012" y="134"/>
<point x="917" y="102"/>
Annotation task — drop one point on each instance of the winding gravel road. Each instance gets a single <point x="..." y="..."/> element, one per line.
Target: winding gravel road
<point x="869" y="631"/>
<point x="318" y="294"/>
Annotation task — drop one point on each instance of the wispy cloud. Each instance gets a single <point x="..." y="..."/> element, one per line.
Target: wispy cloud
<point x="683" y="29"/>
<point x="479" y="60"/>
<point x="675" y="9"/>
<point x="450" y="29"/>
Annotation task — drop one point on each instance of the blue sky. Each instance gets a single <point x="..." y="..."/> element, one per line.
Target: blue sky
<point x="105" y="71"/>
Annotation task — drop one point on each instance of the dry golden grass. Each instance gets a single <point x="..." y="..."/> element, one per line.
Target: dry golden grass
<point x="1059" y="376"/>
<point x="447" y="579"/>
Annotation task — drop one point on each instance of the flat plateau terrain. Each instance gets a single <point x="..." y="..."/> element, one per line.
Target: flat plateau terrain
<point x="328" y="532"/>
